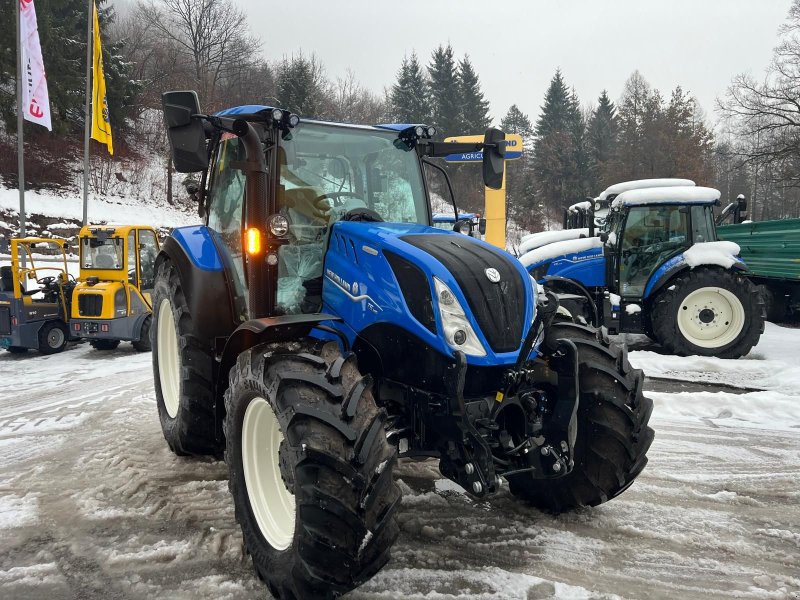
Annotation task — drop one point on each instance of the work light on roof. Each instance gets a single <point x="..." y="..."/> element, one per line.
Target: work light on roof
<point x="419" y="131"/>
<point x="294" y="121"/>
<point x="277" y="114"/>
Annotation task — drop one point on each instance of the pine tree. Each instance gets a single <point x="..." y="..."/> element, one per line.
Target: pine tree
<point x="558" y="147"/>
<point x="633" y="107"/>
<point x="409" y="95"/>
<point x="301" y="86"/>
<point x="444" y="92"/>
<point x="524" y="206"/>
<point x="474" y="107"/>
<point x="601" y="133"/>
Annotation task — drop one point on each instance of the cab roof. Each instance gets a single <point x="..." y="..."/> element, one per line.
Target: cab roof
<point x="667" y="195"/>
<point x="257" y="109"/>
<point x="638" y="184"/>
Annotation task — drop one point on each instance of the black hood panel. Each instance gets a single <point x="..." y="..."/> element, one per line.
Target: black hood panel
<point x="497" y="307"/>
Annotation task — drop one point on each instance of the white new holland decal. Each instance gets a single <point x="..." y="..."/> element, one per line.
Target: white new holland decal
<point x="351" y="290"/>
<point x="492" y="275"/>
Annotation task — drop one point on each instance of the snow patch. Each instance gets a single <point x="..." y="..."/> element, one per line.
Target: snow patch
<point x="585" y="205"/>
<point x="17" y="511"/>
<point x="632" y="309"/>
<point x="556" y="249"/>
<point x="667" y="195"/>
<point x="535" y="240"/>
<point x="615" y="299"/>
<point x="721" y="253"/>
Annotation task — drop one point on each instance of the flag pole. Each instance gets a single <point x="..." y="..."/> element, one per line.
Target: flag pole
<point x="88" y="116"/>
<point x="20" y="144"/>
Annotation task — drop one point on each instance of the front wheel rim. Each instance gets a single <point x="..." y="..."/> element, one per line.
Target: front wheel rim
<point x="168" y="358"/>
<point x="55" y="338"/>
<point x="711" y="317"/>
<point x="272" y="504"/>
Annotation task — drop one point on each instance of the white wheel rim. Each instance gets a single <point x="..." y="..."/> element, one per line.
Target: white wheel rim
<point x="55" y="337"/>
<point x="169" y="363"/>
<point x="272" y="504"/>
<point x="711" y="317"/>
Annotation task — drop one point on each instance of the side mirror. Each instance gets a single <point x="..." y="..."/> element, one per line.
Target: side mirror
<point x="494" y="158"/>
<point x="603" y="236"/>
<point x="187" y="136"/>
<point x="463" y="226"/>
<point x="482" y="226"/>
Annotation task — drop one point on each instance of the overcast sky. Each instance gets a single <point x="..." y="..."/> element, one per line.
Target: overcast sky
<point x="516" y="45"/>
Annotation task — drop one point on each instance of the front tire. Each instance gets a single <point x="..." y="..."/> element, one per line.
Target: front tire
<point x="143" y="344"/>
<point x="613" y="433"/>
<point x="182" y="371"/>
<point x="104" y="344"/>
<point x="709" y="312"/>
<point x="53" y="337"/>
<point x="310" y="469"/>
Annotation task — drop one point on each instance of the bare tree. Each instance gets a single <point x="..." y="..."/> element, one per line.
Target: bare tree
<point x="211" y="35"/>
<point x="352" y="103"/>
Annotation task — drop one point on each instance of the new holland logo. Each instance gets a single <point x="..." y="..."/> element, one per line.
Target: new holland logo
<point x="492" y="275"/>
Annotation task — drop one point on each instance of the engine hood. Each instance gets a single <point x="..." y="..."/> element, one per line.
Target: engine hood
<point x="499" y="304"/>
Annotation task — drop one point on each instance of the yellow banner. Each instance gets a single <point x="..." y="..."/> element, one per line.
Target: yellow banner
<point x="101" y="127"/>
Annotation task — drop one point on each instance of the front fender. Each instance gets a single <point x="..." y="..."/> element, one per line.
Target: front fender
<point x="676" y="264"/>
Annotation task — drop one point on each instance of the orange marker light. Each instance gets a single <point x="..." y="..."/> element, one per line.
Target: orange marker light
<point x="252" y="241"/>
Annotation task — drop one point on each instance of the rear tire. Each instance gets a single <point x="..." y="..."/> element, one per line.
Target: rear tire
<point x="143" y="344"/>
<point x="182" y="371"/>
<point x="104" y="344"/>
<point x="53" y="337"/>
<point x="613" y="436"/>
<point x="709" y="312"/>
<point x="322" y="520"/>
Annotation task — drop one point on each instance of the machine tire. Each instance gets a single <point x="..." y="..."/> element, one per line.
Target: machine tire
<point x="613" y="433"/>
<point x="329" y="450"/>
<point x="186" y="402"/>
<point x="722" y="289"/>
<point x="17" y="349"/>
<point x="53" y="337"/>
<point x="777" y="303"/>
<point x="104" y="344"/>
<point x="144" y="344"/>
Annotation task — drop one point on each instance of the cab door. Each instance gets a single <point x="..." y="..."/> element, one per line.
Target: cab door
<point x="147" y="251"/>
<point x="650" y="237"/>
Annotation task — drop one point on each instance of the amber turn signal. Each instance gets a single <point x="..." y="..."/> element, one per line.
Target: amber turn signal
<point x="252" y="241"/>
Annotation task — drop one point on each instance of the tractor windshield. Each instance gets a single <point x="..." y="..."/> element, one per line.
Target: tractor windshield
<point x="327" y="170"/>
<point x="102" y="254"/>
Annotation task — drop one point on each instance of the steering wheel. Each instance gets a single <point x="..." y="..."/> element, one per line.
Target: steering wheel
<point x="366" y="215"/>
<point x="336" y="197"/>
<point x="47" y="281"/>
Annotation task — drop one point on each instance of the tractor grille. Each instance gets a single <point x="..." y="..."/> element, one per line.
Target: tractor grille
<point x="90" y="305"/>
<point x="5" y="320"/>
<point x="497" y="307"/>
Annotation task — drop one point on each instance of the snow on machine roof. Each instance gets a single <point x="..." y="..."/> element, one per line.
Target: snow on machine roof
<point x="667" y="195"/>
<point x="638" y="184"/>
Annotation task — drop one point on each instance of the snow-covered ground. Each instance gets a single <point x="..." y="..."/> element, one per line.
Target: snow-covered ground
<point x="93" y="504"/>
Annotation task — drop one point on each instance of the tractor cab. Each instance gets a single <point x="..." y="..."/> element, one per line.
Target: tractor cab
<point x="35" y="295"/>
<point x="112" y="299"/>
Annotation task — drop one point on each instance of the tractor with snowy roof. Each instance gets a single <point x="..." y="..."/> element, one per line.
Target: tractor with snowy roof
<point x="316" y="328"/>
<point x="655" y="267"/>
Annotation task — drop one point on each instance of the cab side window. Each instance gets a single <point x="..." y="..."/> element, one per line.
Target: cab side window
<point x="132" y="258"/>
<point x="148" y="249"/>
<point x="227" y="202"/>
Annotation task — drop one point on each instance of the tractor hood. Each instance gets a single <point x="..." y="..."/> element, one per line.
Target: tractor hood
<point x="386" y="273"/>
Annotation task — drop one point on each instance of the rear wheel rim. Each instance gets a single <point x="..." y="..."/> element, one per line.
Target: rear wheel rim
<point x="168" y="358"/>
<point x="272" y="504"/>
<point x="55" y="338"/>
<point x="711" y="317"/>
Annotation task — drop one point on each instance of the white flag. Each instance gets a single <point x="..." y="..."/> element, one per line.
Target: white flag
<point x="35" y="100"/>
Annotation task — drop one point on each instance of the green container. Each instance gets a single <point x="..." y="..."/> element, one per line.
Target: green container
<point x="770" y="249"/>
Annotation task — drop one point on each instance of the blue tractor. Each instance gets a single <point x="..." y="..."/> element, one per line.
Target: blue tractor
<point x="657" y="268"/>
<point x="316" y="328"/>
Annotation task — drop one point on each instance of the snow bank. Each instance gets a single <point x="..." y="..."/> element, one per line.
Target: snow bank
<point x="770" y="366"/>
<point x="667" y="195"/>
<point x="537" y="240"/>
<point x="637" y="184"/>
<point x="712" y="253"/>
<point x="557" y="249"/>
<point x="122" y="210"/>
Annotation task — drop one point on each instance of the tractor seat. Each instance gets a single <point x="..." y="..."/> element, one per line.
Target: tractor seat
<point x="104" y="261"/>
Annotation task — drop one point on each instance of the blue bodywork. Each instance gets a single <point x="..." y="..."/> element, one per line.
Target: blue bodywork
<point x="587" y="267"/>
<point x="360" y="287"/>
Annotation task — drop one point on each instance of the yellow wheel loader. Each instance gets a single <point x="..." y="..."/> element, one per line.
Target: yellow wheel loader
<point x="111" y="302"/>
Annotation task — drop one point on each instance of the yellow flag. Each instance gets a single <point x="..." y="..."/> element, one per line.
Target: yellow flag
<point x="101" y="127"/>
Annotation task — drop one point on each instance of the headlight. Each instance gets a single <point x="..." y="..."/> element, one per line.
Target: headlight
<point x="457" y="330"/>
<point x="278" y="225"/>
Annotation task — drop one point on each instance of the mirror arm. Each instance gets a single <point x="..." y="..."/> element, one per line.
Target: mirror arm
<point x="441" y="149"/>
<point x="447" y="180"/>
